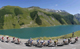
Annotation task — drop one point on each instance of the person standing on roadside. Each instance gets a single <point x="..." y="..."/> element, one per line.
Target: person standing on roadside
<point x="73" y="34"/>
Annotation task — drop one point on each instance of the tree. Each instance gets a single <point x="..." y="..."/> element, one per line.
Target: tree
<point x="35" y="17"/>
<point x="17" y="11"/>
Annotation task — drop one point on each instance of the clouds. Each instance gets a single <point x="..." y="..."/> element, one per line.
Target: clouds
<point x="79" y="10"/>
<point x="53" y="6"/>
<point x="56" y="5"/>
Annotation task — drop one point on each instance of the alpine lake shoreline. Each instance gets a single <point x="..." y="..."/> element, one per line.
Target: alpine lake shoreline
<point x="76" y="34"/>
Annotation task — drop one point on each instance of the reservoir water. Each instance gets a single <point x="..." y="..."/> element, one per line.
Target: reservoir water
<point x="41" y="31"/>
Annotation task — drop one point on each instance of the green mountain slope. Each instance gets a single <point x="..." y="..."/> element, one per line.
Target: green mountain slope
<point x="17" y="17"/>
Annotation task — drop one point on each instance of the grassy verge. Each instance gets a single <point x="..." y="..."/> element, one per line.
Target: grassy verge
<point x="8" y="36"/>
<point x="77" y="33"/>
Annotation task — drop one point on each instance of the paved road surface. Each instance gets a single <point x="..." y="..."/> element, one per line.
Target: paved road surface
<point x="4" y="45"/>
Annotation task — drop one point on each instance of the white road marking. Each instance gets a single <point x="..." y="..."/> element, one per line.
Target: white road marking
<point x="72" y="45"/>
<point x="53" y="48"/>
<point x="63" y="47"/>
<point x="17" y="46"/>
<point x="7" y="43"/>
<point x="1" y="48"/>
<point x="24" y="47"/>
<point x="74" y="48"/>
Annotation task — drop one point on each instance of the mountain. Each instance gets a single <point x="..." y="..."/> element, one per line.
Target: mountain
<point x="16" y="17"/>
<point x="52" y="10"/>
<point x="77" y="16"/>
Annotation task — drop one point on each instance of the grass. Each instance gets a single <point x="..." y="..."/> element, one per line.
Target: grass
<point x="9" y="19"/>
<point x="76" y="34"/>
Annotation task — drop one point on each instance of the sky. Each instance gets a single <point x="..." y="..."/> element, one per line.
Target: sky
<point x="71" y="6"/>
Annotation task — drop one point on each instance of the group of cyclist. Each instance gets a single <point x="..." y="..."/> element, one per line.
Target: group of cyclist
<point x="8" y="39"/>
<point x="50" y="41"/>
<point x="42" y="41"/>
<point x="30" y="41"/>
<point x="69" y="40"/>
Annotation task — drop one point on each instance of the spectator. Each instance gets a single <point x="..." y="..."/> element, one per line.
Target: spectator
<point x="73" y="34"/>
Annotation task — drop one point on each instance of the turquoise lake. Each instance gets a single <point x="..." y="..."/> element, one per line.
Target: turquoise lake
<point x="41" y="31"/>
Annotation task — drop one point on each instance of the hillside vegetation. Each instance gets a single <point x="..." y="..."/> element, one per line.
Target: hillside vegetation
<point x="12" y="17"/>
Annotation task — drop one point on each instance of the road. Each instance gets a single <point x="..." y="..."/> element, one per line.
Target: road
<point x="4" y="45"/>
